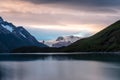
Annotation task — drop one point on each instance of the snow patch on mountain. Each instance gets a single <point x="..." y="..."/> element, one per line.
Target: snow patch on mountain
<point x="61" y="41"/>
<point x="22" y="34"/>
<point x="68" y="39"/>
<point x="13" y="37"/>
<point x="9" y="28"/>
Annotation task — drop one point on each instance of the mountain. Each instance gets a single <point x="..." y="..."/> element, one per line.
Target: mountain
<point x="105" y="40"/>
<point x="12" y="37"/>
<point x="62" y="41"/>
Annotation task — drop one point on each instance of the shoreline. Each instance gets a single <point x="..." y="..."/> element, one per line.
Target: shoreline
<point x="64" y="56"/>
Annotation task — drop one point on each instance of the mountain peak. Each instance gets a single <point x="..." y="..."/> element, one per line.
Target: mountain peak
<point x="1" y="19"/>
<point x="60" y="38"/>
<point x="13" y="37"/>
<point x="61" y="41"/>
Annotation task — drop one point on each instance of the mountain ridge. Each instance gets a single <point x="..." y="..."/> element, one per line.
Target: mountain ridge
<point x="12" y="37"/>
<point x="62" y="41"/>
<point x="107" y="39"/>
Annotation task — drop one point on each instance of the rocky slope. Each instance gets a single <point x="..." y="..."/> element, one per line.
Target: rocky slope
<point x="12" y="37"/>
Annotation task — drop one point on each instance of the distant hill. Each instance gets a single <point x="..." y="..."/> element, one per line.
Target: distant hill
<point x="105" y="40"/>
<point x="12" y="37"/>
<point x="61" y="41"/>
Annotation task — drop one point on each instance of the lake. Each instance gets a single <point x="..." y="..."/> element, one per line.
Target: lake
<point x="50" y="68"/>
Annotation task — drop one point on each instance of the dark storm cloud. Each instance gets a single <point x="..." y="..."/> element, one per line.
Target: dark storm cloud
<point x="80" y="2"/>
<point x="109" y="6"/>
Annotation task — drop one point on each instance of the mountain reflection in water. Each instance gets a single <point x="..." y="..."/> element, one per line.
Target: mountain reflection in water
<point x="50" y="68"/>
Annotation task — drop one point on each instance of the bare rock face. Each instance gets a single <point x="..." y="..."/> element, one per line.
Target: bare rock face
<point x="60" y="38"/>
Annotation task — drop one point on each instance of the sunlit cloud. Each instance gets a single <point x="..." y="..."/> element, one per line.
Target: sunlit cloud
<point x="71" y="16"/>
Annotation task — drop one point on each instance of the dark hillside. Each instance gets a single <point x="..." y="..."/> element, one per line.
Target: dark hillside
<point x="105" y="40"/>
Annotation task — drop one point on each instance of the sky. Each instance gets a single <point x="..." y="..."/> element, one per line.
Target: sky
<point x="48" y="19"/>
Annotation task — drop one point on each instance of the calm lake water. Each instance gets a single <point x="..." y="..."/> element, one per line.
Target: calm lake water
<point x="51" y="69"/>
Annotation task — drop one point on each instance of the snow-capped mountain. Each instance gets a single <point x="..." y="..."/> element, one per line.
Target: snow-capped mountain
<point x="12" y="37"/>
<point x="62" y="41"/>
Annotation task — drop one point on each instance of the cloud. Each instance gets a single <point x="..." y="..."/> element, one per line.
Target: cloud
<point x="87" y="3"/>
<point x="61" y="15"/>
<point x="46" y="34"/>
<point x="80" y="2"/>
<point x="93" y="5"/>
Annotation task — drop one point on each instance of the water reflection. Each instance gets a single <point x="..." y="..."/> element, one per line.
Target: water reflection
<point x="61" y="56"/>
<point x="59" y="70"/>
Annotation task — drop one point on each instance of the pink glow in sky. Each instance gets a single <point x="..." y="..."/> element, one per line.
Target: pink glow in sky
<point x="62" y="17"/>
